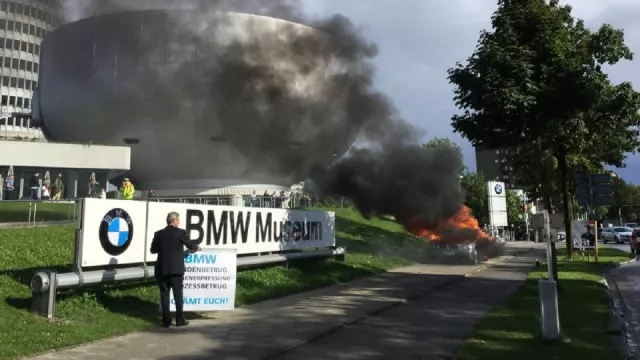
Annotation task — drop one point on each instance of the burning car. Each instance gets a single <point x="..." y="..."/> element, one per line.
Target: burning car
<point x="465" y="252"/>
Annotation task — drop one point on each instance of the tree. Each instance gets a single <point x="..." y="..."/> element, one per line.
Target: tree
<point x="626" y="201"/>
<point x="446" y="142"/>
<point x="515" y="208"/>
<point x="476" y="196"/>
<point x="536" y="80"/>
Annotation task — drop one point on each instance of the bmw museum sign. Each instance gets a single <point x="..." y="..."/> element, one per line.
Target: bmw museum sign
<point x="116" y="232"/>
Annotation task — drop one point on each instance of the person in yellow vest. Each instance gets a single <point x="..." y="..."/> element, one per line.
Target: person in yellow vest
<point x="127" y="190"/>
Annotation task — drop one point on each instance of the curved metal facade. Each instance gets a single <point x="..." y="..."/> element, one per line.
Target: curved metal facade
<point x="23" y="25"/>
<point x="199" y="96"/>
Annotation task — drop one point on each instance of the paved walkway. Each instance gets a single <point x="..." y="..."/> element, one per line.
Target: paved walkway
<point x="301" y="326"/>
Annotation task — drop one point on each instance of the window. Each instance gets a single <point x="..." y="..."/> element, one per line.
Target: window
<point x="35" y="67"/>
<point x="4" y="6"/>
<point x="32" y="29"/>
<point x="27" y="103"/>
<point x="37" y="50"/>
<point x="12" y="100"/>
<point x="18" y="26"/>
<point x="12" y="8"/>
<point x="16" y="45"/>
<point x="19" y="104"/>
<point x="29" y="66"/>
<point x="3" y="24"/>
<point x="21" y="83"/>
<point x="19" y="8"/>
<point x="14" y="82"/>
<point x="25" y="28"/>
<point x="14" y="64"/>
<point x="35" y="85"/>
<point x="23" y="65"/>
<point x="7" y="63"/>
<point x="5" y="100"/>
<point x="28" y="85"/>
<point x="10" y="25"/>
<point x="34" y="12"/>
<point x="38" y="31"/>
<point x="31" y="48"/>
<point x="5" y="81"/>
<point x="23" y="46"/>
<point x="39" y="16"/>
<point x="27" y="9"/>
<point x="8" y="44"/>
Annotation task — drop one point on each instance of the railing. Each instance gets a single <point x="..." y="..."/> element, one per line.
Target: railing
<point x="38" y="212"/>
<point x="34" y="212"/>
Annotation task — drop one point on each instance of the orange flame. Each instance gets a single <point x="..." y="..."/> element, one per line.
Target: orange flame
<point x="463" y="220"/>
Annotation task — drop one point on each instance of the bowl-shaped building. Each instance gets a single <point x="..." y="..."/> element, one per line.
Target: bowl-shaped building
<point x="204" y="100"/>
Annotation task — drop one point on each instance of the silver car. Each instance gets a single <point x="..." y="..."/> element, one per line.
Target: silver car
<point x="617" y="234"/>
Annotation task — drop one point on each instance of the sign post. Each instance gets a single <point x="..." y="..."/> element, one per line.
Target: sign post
<point x="593" y="190"/>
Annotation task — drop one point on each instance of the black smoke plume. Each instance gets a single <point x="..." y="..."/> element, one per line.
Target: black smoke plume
<point x="290" y="107"/>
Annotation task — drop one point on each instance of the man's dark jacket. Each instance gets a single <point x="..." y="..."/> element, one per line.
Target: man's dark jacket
<point x="169" y="244"/>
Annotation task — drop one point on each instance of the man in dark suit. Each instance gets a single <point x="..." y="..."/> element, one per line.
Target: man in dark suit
<point x="169" y="244"/>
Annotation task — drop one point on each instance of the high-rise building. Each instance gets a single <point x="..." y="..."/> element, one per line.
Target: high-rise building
<point x="494" y="165"/>
<point x="23" y="26"/>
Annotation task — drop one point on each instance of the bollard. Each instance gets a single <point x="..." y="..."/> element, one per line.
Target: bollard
<point x="43" y="293"/>
<point x="549" y="317"/>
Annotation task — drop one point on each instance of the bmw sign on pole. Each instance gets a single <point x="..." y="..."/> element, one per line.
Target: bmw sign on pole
<point x="497" y="204"/>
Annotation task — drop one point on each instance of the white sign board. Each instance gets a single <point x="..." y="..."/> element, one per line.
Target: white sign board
<point x="114" y="232"/>
<point x="209" y="281"/>
<point x="497" y="204"/>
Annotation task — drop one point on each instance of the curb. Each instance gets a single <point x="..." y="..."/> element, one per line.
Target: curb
<point x="619" y="311"/>
<point x="628" y="262"/>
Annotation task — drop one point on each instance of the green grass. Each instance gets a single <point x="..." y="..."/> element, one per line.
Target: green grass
<point x="18" y="211"/>
<point x="90" y="314"/>
<point x="512" y="331"/>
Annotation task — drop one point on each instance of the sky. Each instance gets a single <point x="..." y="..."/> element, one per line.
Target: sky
<point x="420" y="39"/>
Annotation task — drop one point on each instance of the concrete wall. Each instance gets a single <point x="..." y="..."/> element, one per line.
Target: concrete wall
<point x="64" y="156"/>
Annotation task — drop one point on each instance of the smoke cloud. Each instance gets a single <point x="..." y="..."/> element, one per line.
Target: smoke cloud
<point x="289" y="101"/>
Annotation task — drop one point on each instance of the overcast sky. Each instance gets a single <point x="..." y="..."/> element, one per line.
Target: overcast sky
<point x="420" y="39"/>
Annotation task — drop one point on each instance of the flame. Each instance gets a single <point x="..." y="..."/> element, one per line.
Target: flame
<point x="463" y="220"/>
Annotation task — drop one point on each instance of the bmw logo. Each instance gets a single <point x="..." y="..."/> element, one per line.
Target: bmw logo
<point x="116" y="232"/>
<point x="498" y="189"/>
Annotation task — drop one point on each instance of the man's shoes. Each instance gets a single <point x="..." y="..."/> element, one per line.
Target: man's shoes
<point x="182" y="322"/>
<point x="166" y="325"/>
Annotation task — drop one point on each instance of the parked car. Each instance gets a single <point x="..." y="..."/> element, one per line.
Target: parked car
<point x="631" y="225"/>
<point x="617" y="234"/>
<point x="633" y="244"/>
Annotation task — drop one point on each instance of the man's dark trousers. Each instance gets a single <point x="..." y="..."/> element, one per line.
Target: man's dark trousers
<point x="166" y="284"/>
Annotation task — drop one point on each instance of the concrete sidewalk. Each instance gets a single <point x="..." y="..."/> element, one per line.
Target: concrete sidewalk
<point x="271" y="328"/>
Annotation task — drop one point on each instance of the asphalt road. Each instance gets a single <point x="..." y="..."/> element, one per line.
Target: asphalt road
<point x="624" y="246"/>
<point x="432" y="326"/>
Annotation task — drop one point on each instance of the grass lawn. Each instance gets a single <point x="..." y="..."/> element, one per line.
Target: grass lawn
<point x="90" y="314"/>
<point x="512" y="331"/>
<point x="18" y="211"/>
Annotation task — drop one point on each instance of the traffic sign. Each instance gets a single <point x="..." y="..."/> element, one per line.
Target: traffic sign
<point x="594" y="189"/>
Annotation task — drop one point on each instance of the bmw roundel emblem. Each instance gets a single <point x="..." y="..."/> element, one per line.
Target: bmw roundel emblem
<point x="116" y="232"/>
<point x="498" y="189"/>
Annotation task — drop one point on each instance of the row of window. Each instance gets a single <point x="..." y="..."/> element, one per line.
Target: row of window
<point x="26" y="10"/>
<point x="19" y="83"/>
<point x="17" y="45"/>
<point x="19" y="64"/>
<point x="16" y="101"/>
<point x="21" y="27"/>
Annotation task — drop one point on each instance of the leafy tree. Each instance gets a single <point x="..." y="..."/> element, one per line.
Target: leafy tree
<point x="476" y="195"/>
<point x="439" y="142"/>
<point x="536" y="80"/>
<point x="626" y="201"/>
<point x="515" y="208"/>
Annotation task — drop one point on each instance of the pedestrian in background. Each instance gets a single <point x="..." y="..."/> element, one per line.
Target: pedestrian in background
<point x="9" y="187"/>
<point x="169" y="244"/>
<point x="34" y="186"/>
<point x="127" y="190"/>
<point x="57" y="188"/>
